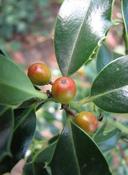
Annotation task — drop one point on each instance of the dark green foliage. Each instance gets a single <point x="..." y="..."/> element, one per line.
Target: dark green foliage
<point x="17" y="130"/>
<point x="80" y="28"/>
<point x="16" y="16"/>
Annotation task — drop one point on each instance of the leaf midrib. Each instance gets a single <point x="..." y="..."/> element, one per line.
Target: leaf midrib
<point x="106" y="93"/>
<point x="74" y="150"/>
<point x="17" y="88"/>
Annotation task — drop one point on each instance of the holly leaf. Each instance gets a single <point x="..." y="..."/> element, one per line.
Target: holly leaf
<point x="105" y="139"/>
<point x="15" y="86"/>
<point x="23" y="131"/>
<point x="2" y="109"/>
<point x="77" y="154"/>
<point x="110" y="89"/>
<point x="6" y="131"/>
<point x="5" y="165"/>
<point x="104" y="57"/>
<point x="80" y="26"/>
<point x="25" y="124"/>
<point x="39" y="164"/>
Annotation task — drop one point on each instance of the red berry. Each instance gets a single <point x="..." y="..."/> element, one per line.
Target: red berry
<point x="64" y="90"/>
<point x="39" y="74"/>
<point x="87" y="121"/>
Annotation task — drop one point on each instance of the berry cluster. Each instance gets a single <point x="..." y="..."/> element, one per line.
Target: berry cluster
<point x="63" y="91"/>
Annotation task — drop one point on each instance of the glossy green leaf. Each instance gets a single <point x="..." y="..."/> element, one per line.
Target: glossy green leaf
<point x="110" y="88"/>
<point x="38" y="166"/>
<point x="107" y="140"/>
<point x="5" y="165"/>
<point x="6" y="130"/>
<point x="15" y="86"/>
<point x="80" y="26"/>
<point x="104" y="56"/>
<point x="25" y="124"/>
<point x="77" y="154"/>
<point x="38" y="169"/>
<point x="23" y="131"/>
<point x="2" y="108"/>
<point x="124" y="7"/>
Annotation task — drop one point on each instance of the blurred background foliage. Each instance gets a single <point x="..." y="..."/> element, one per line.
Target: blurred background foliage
<point x="26" y="32"/>
<point x="19" y="16"/>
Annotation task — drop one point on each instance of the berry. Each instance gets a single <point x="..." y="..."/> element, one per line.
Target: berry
<point x="64" y="90"/>
<point x="39" y="74"/>
<point x="87" y="121"/>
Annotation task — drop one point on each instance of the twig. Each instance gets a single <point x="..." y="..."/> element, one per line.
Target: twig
<point x="68" y="110"/>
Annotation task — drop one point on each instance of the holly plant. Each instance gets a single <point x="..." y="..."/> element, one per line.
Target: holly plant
<point x="91" y="127"/>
